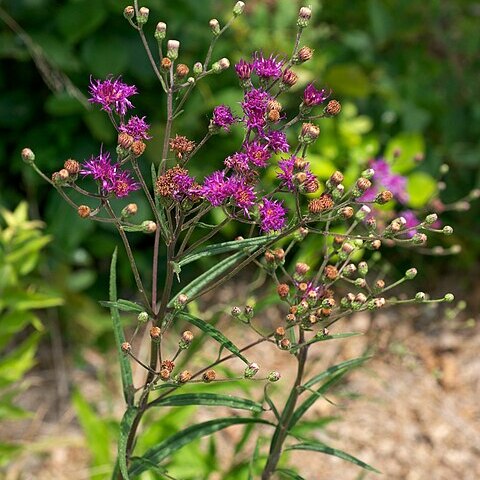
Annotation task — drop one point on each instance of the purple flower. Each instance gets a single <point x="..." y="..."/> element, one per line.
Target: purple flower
<point x="312" y="96"/>
<point x="112" y="94"/>
<point x="216" y="188"/>
<point x="257" y="153"/>
<point x="243" y="69"/>
<point x="109" y="176"/>
<point x="255" y="108"/>
<point x="277" y="141"/>
<point x="123" y="184"/>
<point x="267" y="68"/>
<point x="412" y="221"/>
<point x="272" y="215"/>
<point x="223" y="117"/>
<point x="287" y="174"/>
<point x="136" y="127"/>
<point x="239" y="162"/>
<point x="384" y="178"/>
<point x="183" y="185"/>
<point x="242" y="194"/>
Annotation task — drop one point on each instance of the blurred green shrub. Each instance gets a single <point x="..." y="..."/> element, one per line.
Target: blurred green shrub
<point x="21" y="293"/>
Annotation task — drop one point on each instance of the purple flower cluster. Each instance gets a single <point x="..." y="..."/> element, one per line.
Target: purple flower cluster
<point x="384" y="178"/>
<point x="112" y="94"/>
<point x="254" y="105"/>
<point x="272" y="215"/>
<point x="267" y="68"/>
<point x="111" y="179"/>
<point x="312" y="96"/>
<point x="243" y="69"/>
<point x="287" y="174"/>
<point x="136" y="127"/>
<point x="223" y="117"/>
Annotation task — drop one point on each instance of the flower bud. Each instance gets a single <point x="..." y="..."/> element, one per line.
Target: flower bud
<point x="349" y="270"/>
<point x="130" y="210"/>
<point x="301" y="268"/>
<point x="285" y="344"/>
<point x="360" y="282"/>
<point x="279" y="254"/>
<point x="432" y="218"/>
<point x="363" y="212"/>
<point x="283" y="289"/>
<point x="197" y="68"/>
<point x="346" y="212"/>
<point x="182" y="70"/>
<point x="72" y="167"/>
<point x="209" y="376"/>
<point x="411" y="273"/>
<point x="172" y="49"/>
<point x="248" y="311"/>
<point x="447" y="230"/>
<point x="160" y="31"/>
<point x="449" y="297"/>
<point x="143" y="317"/>
<point x="155" y="333"/>
<point x="184" y="376"/>
<point x="363" y="268"/>
<point x="336" y="178"/>
<point x="303" y="55"/>
<point x="143" y="14"/>
<point x="187" y="336"/>
<point x="251" y="370"/>
<point x="273" y="377"/>
<point x="165" y="64"/>
<point x="129" y="12"/>
<point x="330" y="272"/>
<point x="368" y="173"/>
<point x="304" y="16"/>
<point x="420" y="296"/>
<point x="221" y="65"/>
<point x="289" y="79"/>
<point x="321" y="204"/>
<point x="309" y="133"/>
<point x="126" y="347"/>
<point x="419" y="239"/>
<point x="148" y="226"/>
<point x="236" y="312"/>
<point x="363" y="184"/>
<point x="137" y="148"/>
<point x="238" y="8"/>
<point x="168" y="365"/>
<point x="28" y="156"/>
<point x="384" y="197"/>
<point x="214" y="26"/>
<point x="279" y="333"/>
<point x="83" y="211"/>
<point x="333" y="108"/>
<point x="180" y="301"/>
<point x="164" y="374"/>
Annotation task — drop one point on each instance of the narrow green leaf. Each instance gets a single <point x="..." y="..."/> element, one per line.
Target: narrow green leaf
<point x="214" y="333"/>
<point x="132" y="228"/>
<point x="254" y="460"/>
<point x="323" y="338"/>
<point x="348" y="364"/>
<point x="289" y="473"/>
<point x="300" y="411"/>
<point x="209" y="399"/>
<point x="166" y="448"/>
<point x="124" y="305"/>
<point x="125" y="367"/>
<point x="322" y="448"/>
<point x="125" y="427"/>
<point x="210" y="275"/>
<point x="269" y="401"/>
<point x="224" y="247"/>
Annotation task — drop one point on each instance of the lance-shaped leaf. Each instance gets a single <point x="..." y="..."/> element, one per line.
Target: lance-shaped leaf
<point x="125" y="427"/>
<point x="214" y="333"/>
<point x="210" y="275"/>
<point x="333" y="374"/>
<point x="322" y="338"/>
<point x="322" y="448"/>
<point x="225" y="247"/>
<point x="125" y="367"/>
<point x="348" y="364"/>
<point x="124" y="305"/>
<point x="209" y="399"/>
<point x="169" y="446"/>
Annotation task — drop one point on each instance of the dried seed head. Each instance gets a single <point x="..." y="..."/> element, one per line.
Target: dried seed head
<point x="285" y="344"/>
<point x="279" y="254"/>
<point x="155" y="333"/>
<point x="72" y="167"/>
<point x="293" y="309"/>
<point x="289" y="78"/>
<point x="274" y="116"/>
<point x="301" y="268"/>
<point x="63" y="175"/>
<point x="336" y="178"/>
<point x="164" y="374"/>
<point x="124" y="140"/>
<point x="363" y="184"/>
<point x="321" y="204"/>
<point x="168" y="365"/>
<point x="274" y="105"/>
<point x="311" y="185"/>
<point x="84" y="211"/>
<point x="312" y="319"/>
<point x="331" y="272"/>
<point x="302" y="287"/>
<point x="137" y="148"/>
<point x="333" y="108"/>
<point x="126" y="347"/>
<point x="283" y="289"/>
<point x="279" y="333"/>
<point x="346" y="212"/>
<point x="209" y="376"/>
<point x="304" y="54"/>
<point x="291" y="318"/>
<point x="269" y="256"/>
<point x="181" y="145"/>
<point x="184" y="376"/>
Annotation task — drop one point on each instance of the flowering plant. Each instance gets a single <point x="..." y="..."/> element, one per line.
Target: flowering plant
<point x="276" y="221"/>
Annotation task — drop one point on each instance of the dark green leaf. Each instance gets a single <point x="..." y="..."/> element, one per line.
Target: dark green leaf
<point x="210" y="399"/>
<point x="125" y="367"/>
<point x="166" y="448"/>
<point x="214" y="333"/>
<point x="321" y="447"/>
<point x="125" y="427"/>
